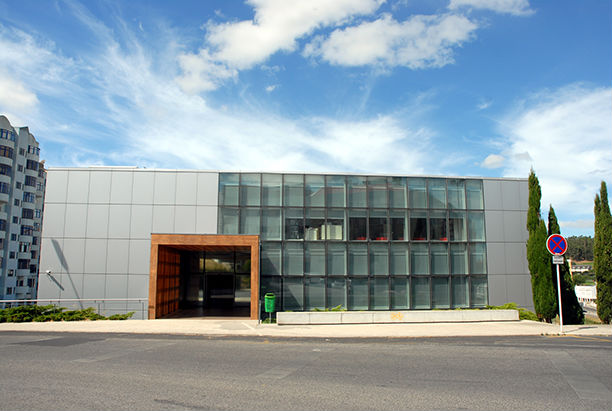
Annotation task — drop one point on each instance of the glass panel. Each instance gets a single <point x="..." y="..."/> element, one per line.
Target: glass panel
<point x="437" y="226"/>
<point x="418" y="193"/>
<point x="271" y="189"/>
<point x="242" y="292"/>
<point x="270" y="285"/>
<point x="439" y="259"/>
<point x="250" y="186"/>
<point x="313" y="227"/>
<point x="357" y="191"/>
<point x="400" y="293"/>
<point x="377" y="192"/>
<point x="420" y="293"/>
<point x="399" y="259"/>
<point x="229" y="221"/>
<point x="460" y="292"/>
<point x="219" y="262"/>
<point x="271" y="224"/>
<point x="315" y="191"/>
<point x="334" y="228"/>
<point x="398" y="225"/>
<point x="440" y="292"/>
<point x="476" y="230"/>
<point x="478" y="259"/>
<point x="379" y="259"/>
<point x="478" y="295"/>
<point x="270" y="259"/>
<point x="249" y="221"/>
<point x="314" y="290"/>
<point x="336" y="191"/>
<point x="336" y="292"/>
<point x="378" y="225"/>
<point x="456" y="194"/>
<point x="294" y="224"/>
<point x="459" y="259"/>
<point x="379" y="293"/>
<point x="293" y="294"/>
<point x="418" y="225"/>
<point x="228" y="189"/>
<point x="397" y="192"/>
<point x="474" y="194"/>
<point x="358" y="259"/>
<point x="336" y="259"/>
<point x="358" y="294"/>
<point x="314" y="259"/>
<point x="456" y="226"/>
<point x="293" y="259"/>
<point x="243" y="263"/>
<point x="437" y="193"/>
<point x="419" y="259"/>
<point x="357" y="225"/>
<point x="293" y="190"/>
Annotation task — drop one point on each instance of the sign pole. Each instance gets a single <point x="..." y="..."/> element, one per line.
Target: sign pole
<point x="556" y="244"/>
<point x="559" y="294"/>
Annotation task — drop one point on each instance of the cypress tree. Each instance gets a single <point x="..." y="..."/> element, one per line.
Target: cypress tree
<point x="538" y="257"/>
<point x="572" y="311"/>
<point x="602" y="253"/>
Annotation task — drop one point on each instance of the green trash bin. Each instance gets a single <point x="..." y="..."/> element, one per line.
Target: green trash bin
<point x="270" y="302"/>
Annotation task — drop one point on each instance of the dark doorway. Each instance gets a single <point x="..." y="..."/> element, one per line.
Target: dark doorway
<point x="215" y="283"/>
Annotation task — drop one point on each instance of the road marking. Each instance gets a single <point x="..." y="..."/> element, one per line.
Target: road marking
<point x="123" y="352"/>
<point x="582" y="382"/>
<point x="278" y="372"/>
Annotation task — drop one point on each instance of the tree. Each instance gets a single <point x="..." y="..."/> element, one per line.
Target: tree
<point x="602" y="253"/>
<point x="540" y="264"/>
<point x="580" y="248"/>
<point x="572" y="311"/>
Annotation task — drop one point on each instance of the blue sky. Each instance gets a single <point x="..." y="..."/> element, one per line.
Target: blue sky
<point x="453" y="87"/>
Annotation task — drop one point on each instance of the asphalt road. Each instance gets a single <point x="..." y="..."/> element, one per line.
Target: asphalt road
<point x="136" y="372"/>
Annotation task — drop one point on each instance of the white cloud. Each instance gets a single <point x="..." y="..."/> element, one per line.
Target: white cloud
<point x="493" y="161"/>
<point x="15" y="96"/>
<point x="565" y="136"/>
<point x="579" y="224"/>
<point x="202" y="73"/>
<point x="271" y="88"/>
<point x="514" y="7"/>
<point x="419" y="42"/>
<point x="276" y="26"/>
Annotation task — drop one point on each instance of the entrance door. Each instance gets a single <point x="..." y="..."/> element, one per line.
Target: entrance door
<point x="219" y="290"/>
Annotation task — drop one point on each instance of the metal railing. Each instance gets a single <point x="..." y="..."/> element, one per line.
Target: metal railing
<point x="104" y="306"/>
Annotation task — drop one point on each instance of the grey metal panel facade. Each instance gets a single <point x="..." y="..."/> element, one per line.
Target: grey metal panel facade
<point x="506" y="218"/>
<point x="96" y="239"/>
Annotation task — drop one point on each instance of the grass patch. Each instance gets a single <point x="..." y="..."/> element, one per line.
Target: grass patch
<point x="44" y="313"/>
<point x="524" y="314"/>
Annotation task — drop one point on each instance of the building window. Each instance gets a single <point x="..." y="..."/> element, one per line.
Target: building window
<point x="22" y="151"/>
<point x="9" y="290"/>
<point x="11" y="272"/>
<point x="7" y="135"/>
<point x="6" y="152"/>
<point x="1" y="243"/>
<point x="29" y="197"/>
<point x="33" y="254"/>
<point x="16" y="202"/>
<point x="5" y="188"/>
<point x="30" y="181"/>
<point x="23" y="264"/>
<point x="34" y="240"/>
<point x="11" y="254"/>
<point x="6" y="170"/>
<point x="2" y="225"/>
<point x="32" y="165"/>
<point x="13" y="237"/>
<point x="33" y="150"/>
<point x="18" y="185"/>
<point x="33" y="269"/>
<point x="27" y="230"/>
<point x="15" y="220"/>
<point x="27" y="213"/>
<point x="19" y="168"/>
<point x="31" y="282"/>
<point x="24" y="247"/>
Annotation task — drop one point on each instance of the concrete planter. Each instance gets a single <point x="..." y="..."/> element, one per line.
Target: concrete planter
<point x="389" y="317"/>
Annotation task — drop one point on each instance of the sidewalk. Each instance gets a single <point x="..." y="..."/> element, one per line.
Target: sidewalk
<point x="246" y="328"/>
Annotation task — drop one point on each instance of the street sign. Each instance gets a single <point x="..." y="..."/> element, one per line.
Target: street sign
<point x="558" y="259"/>
<point x="556" y="244"/>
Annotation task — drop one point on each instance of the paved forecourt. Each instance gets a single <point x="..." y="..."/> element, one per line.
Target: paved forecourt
<point x="245" y="327"/>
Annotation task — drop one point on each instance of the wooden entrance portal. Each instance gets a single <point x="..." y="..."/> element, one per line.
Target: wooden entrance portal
<point x="164" y="280"/>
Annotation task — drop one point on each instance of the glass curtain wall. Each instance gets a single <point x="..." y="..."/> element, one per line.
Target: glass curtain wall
<point x="362" y="243"/>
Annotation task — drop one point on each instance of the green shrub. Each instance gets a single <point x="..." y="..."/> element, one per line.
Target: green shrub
<point x="43" y="313"/>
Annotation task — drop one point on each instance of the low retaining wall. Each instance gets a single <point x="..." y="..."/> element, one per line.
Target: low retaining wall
<point x="382" y="317"/>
